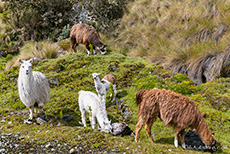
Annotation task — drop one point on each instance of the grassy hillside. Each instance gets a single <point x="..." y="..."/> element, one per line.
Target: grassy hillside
<point x="73" y="73"/>
<point x="186" y="36"/>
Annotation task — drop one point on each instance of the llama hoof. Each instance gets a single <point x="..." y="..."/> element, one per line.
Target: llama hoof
<point x="137" y="141"/>
<point x="176" y="143"/>
<point x="28" y="121"/>
<point x="184" y="146"/>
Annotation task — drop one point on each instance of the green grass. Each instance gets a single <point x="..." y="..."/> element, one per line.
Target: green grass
<point x="74" y="73"/>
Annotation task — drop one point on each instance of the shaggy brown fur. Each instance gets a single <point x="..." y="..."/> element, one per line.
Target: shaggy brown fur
<point x="110" y="77"/>
<point x="174" y="110"/>
<point x="85" y="34"/>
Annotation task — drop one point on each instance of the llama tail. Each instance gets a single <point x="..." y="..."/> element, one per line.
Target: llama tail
<point x="139" y="96"/>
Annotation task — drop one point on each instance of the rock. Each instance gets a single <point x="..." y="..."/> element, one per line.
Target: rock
<point x="53" y="81"/>
<point x="40" y="121"/>
<point x="67" y="118"/>
<point x="120" y="129"/>
<point x="71" y="151"/>
<point x="27" y="121"/>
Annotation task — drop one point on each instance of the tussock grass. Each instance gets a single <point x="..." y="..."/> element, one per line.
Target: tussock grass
<point x="173" y="32"/>
<point x="43" y="49"/>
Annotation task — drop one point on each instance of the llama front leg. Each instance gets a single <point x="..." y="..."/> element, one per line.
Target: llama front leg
<point x="138" y="128"/>
<point x="93" y="122"/>
<point x="182" y="136"/>
<point x="177" y="131"/>
<point x="88" y="49"/>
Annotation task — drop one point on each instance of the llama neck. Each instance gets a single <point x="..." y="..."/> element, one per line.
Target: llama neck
<point x="98" y="84"/>
<point x="26" y="80"/>
<point x="204" y="133"/>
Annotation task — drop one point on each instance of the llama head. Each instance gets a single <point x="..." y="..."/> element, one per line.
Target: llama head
<point x="107" y="128"/>
<point x="103" y="49"/>
<point x="96" y="75"/>
<point x="26" y="66"/>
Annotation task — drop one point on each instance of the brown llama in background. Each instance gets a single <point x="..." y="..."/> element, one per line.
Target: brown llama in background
<point x="174" y="110"/>
<point x="86" y="35"/>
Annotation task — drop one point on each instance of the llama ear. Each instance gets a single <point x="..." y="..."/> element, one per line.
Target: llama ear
<point x="20" y="61"/>
<point x="214" y="142"/>
<point x="31" y="60"/>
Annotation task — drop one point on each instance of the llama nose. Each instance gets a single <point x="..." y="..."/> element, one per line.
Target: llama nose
<point x="27" y="71"/>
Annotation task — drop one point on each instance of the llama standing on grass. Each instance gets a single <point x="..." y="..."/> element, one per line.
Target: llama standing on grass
<point x="174" y="110"/>
<point x="85" y="34"/>
<point x="91" y="103"/>
<point x="104" y="85"/>
<point x="33" y="87"/>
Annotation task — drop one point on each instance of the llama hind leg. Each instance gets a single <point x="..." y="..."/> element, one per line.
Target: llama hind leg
<point x="138" y="128"/>
<point x="74" y="44"/>
<point x="83" y="117"/>
<point x="40" y="108"/>
<point x="31" y="113"/>
<point x="148" y="126"/>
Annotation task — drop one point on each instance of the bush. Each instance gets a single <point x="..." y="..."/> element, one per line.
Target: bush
<point x="38" y="19"/>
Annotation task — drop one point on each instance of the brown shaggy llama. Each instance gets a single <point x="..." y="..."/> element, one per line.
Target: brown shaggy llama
<point x="174" y="110"/>
<point x="86" y="35"/>
<point x="112" y="79"/>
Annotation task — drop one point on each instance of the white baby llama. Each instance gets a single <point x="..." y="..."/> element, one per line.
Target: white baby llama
<point x="91" y="103"/>
<point x="33" y="87"/>
<point x="104" y="85"/>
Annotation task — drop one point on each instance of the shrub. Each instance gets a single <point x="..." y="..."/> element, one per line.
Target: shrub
<point x="38" y="19"/>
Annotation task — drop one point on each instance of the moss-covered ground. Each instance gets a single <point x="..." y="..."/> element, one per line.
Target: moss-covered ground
<point x="74" y="73"/>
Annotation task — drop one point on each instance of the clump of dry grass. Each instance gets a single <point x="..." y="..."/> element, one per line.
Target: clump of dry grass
<point x="176" y="33"/>
<point x="43" y="49"/>
<point x="1" y="6"/>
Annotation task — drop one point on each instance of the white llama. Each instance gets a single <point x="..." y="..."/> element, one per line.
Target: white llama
<point x="91" y="103"/>
<point x="104" y="85"/>
<point x="33" y="87"/>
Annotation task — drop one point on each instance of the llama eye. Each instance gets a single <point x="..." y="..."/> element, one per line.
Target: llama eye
<point x="22" y="66"/>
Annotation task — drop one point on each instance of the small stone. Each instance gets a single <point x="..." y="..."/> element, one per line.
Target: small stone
<point x="3" y="120"/>
<point x="9" y="134"/>
<point x="27" y="121"/>
<point x="48" y="145"/>
<point x="47" y="131"/>
<point x="53" y="81"/>
<point x="67" y="118"/>
<point x="71" y="151"/>
<point x="40" y="121"/>
<point x="58" y="124"/>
